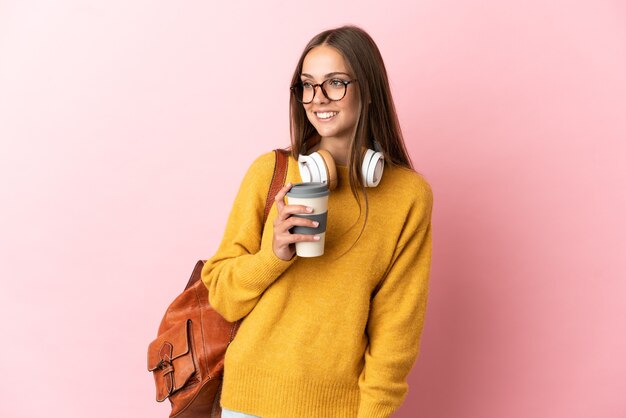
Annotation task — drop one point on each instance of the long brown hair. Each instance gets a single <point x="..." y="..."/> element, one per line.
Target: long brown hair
<point x="378" y="119"/>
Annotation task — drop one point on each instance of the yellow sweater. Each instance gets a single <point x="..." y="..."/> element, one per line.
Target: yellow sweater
<point x="324" y="336"/>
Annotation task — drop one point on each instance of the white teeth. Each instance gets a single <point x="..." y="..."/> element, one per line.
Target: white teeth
<point x="326" y="115"/>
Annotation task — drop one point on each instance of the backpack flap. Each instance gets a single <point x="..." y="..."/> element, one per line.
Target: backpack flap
<point x="171" y="360"/>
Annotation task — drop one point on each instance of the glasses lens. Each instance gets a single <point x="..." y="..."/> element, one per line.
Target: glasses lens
<point x="297" y="92"/>
<point x="304" y="92"/>
<point x="308" y="91"/>
<point x="335" y="89"/>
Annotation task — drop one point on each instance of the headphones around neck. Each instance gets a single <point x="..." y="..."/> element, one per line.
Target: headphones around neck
<point x="319" y="166"/>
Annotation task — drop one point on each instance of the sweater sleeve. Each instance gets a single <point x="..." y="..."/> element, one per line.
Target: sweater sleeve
<point x="245" y="264"/>
<point x="396" y="316"/>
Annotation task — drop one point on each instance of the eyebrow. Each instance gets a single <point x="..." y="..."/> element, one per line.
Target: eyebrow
<point x="326" y="76"/>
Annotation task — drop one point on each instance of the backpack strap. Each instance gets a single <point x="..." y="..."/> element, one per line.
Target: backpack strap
<point x="278" y="179"/>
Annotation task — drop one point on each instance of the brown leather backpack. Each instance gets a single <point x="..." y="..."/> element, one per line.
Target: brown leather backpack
<point x="187" y="357"/>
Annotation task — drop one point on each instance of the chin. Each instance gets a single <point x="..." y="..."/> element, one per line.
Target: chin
<point x="327" y="132"/>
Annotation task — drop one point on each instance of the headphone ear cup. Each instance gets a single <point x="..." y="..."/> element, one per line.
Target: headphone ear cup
<point x="372" y="168"/>
<point x="318" y="167"/>
<point x="329" y="166"/>
<point x="309" y="171"/>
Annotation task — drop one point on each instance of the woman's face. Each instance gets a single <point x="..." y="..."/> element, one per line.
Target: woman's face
<point x="336" y="119"/>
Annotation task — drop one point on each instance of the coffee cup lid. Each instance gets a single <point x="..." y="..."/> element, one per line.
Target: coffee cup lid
<point x="309" y="189"/>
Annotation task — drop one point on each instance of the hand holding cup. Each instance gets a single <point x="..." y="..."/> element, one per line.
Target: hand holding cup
<point x="284" y="242"/>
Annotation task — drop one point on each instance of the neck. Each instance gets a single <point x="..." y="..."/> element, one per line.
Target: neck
<point x="339" y="148"/>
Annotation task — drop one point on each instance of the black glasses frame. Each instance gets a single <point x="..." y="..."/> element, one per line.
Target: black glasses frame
<point x="321" y="86"/>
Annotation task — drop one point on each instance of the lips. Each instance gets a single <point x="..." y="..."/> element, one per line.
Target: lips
<point x="325" y="116"/>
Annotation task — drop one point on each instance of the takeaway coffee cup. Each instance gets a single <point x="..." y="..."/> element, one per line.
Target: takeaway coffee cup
<point x="314" y="195"/>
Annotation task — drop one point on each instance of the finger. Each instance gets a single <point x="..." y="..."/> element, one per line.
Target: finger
<point x="292" y="221"/>
<point x="289" y="210"/>
<point x="287" y="239"/>
<point x="279" y="199"/>
<point x="297" y="220"/>
<point x="293" y="238"/>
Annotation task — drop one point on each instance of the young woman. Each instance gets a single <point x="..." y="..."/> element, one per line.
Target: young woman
<point x="334" y="335"/>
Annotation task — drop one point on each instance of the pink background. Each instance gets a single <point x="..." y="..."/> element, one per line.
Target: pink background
<point x="126" y="127"/>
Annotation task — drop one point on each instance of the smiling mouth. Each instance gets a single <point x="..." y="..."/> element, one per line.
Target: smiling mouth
<point x="325" y="115"/>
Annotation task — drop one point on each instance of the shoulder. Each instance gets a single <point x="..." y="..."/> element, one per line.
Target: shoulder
<point x="257" y="177"/>
<point x="408" y="184"/>
<point x="261" y="170"/>
<point x="411" y="194"/>
<point x="263" y="163"/>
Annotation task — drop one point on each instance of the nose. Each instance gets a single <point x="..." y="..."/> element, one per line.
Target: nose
<point x="319" y="96"/>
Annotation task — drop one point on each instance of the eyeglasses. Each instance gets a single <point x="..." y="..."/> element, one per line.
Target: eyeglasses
<point x="333" y="89"/>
